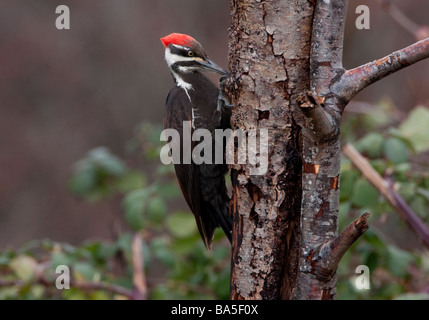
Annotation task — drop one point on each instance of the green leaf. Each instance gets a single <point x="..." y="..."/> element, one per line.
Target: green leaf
<point x="371" y="144"/>
<point x="183" y="246"/>
<point x="220" y="253"/>
<point x="134" y="215"/>
<point x="37" y="291"/>
<point x="83" y="181"/>
<point x="169" y="190"/>
<point x="131" y="181"/>
<point x="395" y="150"/>
<point x="398" y="261"/>
<point x="135" y="204"/>
<point x="4" y="259"/>
<point x="164" y="170"/>
<point x="420" y="206"/>
<point x="424" y="193"/>
<point x="416" y="129"/>
<point x="95" y="176"/>
<point x="407" y="190"/>
<point x="83" y="271"/>
<point x="347" y="182"/>
<point x="156" y="210"/>
<point x="344" y="210"/>
<point x="137" y="196"/>
<point x="221" y="285"/>
<point x="364" y="194"/>
<point x="160" y="249"/>
<point x="60" y="258"/>
<point x="74" y="294"/>
<point x="108" y="162"/>
<point x="181" y="224"/>
<point x="25" y="267"/>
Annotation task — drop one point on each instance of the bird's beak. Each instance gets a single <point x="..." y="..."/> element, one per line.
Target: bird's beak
<point x="211" y="66"/>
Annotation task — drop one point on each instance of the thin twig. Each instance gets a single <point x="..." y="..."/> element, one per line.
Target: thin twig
<point x="139" y="278"/>
<point x="386" y="189"/>
<point x="419" y="32"/>
<point x="113" y="288"/>
<point x="398" y="16"/>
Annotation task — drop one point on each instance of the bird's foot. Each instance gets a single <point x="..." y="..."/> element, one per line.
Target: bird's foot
<point x="222" y="101"/>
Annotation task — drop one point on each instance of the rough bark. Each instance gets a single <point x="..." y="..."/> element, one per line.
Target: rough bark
<point x="269" y="58"/>
<point x="321" y="153"/>
<point x="287" y="77"/>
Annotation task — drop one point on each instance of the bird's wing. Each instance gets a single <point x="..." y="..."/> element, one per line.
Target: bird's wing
<point x="188" y="175"/>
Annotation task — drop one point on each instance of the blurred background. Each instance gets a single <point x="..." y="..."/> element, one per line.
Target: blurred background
<point x="66" y="92"/>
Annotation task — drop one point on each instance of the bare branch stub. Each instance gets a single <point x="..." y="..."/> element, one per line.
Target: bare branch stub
<point x="329" y="255"/>
<point x="321" y="125"/>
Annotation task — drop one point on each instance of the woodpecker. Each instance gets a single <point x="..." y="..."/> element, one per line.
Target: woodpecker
<point x="195" y="99"/>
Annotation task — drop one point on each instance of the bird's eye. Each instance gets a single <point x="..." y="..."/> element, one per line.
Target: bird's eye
<point x="190" y="53"/>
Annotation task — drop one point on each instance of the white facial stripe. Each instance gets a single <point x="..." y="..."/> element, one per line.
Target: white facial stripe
<point x="172" y="58"/>
<point x="180" y="47"/>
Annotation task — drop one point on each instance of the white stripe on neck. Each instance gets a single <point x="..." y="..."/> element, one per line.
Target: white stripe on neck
<point x="182" y="84"/>
<point x="172" y="59"/>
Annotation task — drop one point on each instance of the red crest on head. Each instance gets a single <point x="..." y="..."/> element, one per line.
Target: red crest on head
<point x="179" y="39"/>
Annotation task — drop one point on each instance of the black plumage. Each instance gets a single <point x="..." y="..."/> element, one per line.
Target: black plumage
<point x="194" y="98"/>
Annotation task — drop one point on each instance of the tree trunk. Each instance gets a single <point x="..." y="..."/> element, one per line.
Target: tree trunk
<point x="287" y="77"/>
<point x="269" y="55"/>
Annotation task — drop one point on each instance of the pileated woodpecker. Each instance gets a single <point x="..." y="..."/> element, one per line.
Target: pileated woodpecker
<point x="194" y="101"/>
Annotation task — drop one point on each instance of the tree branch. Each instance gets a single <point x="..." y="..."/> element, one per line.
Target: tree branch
<point x="355" y="80"/>
<point x="113" y="288"/>
<point x="329" y="255"/>
<point x="325" y="65"/>
<point x="386" y="189"/>
<point x="326" y="57"/>
<point x="321" y="160"/>
<point x="139" y="278"/>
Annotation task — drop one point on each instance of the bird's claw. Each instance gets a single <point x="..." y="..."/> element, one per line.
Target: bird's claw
<point x="223" y="102"/>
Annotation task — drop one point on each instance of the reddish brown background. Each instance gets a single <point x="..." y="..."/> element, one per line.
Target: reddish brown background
<point x="64" y="92"/>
